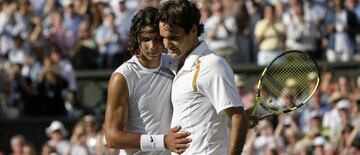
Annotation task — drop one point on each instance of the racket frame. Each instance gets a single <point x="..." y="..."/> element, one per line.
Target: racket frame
<point x="258" y="101"/>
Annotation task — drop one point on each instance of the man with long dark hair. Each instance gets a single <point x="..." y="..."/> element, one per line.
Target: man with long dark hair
<point x="139" y="109"/>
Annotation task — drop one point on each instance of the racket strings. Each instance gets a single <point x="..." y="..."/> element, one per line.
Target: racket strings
<point x="285" y="83"/>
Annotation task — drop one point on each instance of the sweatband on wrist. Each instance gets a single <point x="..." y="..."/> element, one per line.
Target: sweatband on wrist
<point x="152" y="142"/>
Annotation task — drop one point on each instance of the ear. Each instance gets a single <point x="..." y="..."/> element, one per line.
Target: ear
<point x="194" y="29"/>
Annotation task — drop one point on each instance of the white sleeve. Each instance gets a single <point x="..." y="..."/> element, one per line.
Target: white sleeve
<point x="218" y="85"/>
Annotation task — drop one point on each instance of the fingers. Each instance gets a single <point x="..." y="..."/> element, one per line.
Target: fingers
<point x="176" y="129"/>
<point x="177" y="141"/>
<point x="180" y="148"/>
<point x="179" y="151"/>
<point x="182" y="135"/>
<point x="183" y="141"/>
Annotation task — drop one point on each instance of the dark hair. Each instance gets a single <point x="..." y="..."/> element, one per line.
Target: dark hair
<point x="145" y="17"/>
<point x="181" y="13"/>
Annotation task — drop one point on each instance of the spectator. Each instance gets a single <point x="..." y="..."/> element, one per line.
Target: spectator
<point x="29" y="149"/>
<point x="17" y="143"/>
<point x="340" y="27"/>
<point x="10" y="26"/>
<point x="59" y="35"/>
<point x="50" y="87"/>
<point x="354" y="6"/>
<point x="81" y="7"/>
<point x="270" y="35"/>
<point x="245" y="97"/>
<point x="65" y="67"/>
<point x="123" y="21"/>
<point x="327" y="85"/>
<point x="107" y="38"/>
<point x="266" y="140"/>
<point x="319" y="144"/>
<point x="72" y="19"/>
<point x="345" y="87"/>
<point x="49" y="7"/>
<point x="46" y="149"/>
<point x="78" y="141"/>
<point x="301" y="32"/>
<point x="314" y="109"/>
<point x="204" y="8"/>
<point x="90" y="124"/>
<point x="19" y="91"/>
<point x="243" y="36"/>
<point x="86" y="52"/>
<point x="16" y="55"/>
<point x="331" y="118"/>
<point x="57" y="134"/>
<point x="39" y="6"/>
<point x="36" y="39"/>
<point x="288" y="130"/>
<point x="221" y="33"/>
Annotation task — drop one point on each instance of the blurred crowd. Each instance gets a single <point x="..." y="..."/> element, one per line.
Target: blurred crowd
<point x="43" y="42"/>
<point x="85" y="138"/>
<point x="329" y="124"/>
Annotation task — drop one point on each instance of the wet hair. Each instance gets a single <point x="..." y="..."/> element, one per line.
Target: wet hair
<point x="145" y="17"/>
<point x="181" y="13"/>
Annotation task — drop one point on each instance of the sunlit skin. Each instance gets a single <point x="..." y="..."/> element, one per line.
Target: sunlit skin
<point x="151" y="47"/>
<point x="177" y="42"/>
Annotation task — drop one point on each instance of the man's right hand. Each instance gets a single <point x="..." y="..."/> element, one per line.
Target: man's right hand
<point x="176" y="141"/>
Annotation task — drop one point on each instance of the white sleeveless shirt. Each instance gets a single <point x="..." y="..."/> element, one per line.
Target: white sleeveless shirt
<point x="150" y="108"/>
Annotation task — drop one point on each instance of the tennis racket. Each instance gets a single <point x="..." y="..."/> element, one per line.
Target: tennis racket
<point x="285" y="85"/>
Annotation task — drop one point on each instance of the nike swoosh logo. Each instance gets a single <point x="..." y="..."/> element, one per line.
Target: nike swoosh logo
<point x="151" y="139"/>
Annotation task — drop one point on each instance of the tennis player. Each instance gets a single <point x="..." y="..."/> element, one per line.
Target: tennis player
<point x="204" y="94"/>
<point x="139" y="109"/>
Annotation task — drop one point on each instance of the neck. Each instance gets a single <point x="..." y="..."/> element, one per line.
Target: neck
<point x="183" y="58"/>
<point x="148" y="63"/>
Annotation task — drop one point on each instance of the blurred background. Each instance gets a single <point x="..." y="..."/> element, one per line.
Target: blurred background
<point x="56" y="57"/>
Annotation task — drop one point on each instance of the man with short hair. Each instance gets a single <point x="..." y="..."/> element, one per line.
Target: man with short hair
<point x="204" y="95"/>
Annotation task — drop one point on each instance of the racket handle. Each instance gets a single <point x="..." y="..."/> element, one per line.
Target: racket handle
<point x="256" y="130"/>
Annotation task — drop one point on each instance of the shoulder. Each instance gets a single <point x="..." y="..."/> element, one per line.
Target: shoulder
<point x="214" y="63"/>
<point x="128" y="66"/>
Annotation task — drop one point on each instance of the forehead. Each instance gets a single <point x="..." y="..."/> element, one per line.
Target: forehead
<point x="173" y="30"/>
<point x="148" y="31"/>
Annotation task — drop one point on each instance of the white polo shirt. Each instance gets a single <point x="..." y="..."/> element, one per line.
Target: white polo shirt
<point x="201" y="112"/>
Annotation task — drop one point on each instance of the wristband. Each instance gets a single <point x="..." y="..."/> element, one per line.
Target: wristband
<point x="152" y="142"/>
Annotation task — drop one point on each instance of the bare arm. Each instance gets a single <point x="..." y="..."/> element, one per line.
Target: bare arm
<point x="116" y="118"/>
<point x="239" y="127"/>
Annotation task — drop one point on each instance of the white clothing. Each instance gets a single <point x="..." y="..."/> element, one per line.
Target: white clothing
<point x="61" y="147"/>
<point x="76" y="149"/>
<point x="201" y="112"/>
<point x="223" y="40"/>
<point x="150" y="108"/>
<point x="300" y="35"/>
<point x="331" y="120"/>
<point x="16" y="56"/>
<point x="342" y="41"/>
<point x="67" y="71"/>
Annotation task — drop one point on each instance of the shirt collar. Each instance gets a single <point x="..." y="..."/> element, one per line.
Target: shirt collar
<point x="191" y="58"/>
